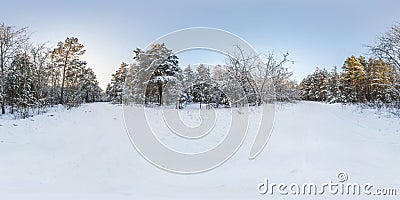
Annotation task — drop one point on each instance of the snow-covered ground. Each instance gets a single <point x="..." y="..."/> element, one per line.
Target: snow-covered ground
<point x="85" y="153"/>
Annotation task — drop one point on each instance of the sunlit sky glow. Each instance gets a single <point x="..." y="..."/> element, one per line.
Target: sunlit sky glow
<point x="315" y="33"/>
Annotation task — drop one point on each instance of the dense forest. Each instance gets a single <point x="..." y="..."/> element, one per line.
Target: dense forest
<point x="374" y="81"/>
<point x="34" y="77"/>
<point x="155" y="77"/>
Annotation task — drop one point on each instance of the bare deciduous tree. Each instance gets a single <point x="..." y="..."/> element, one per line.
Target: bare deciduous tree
<point x="388" y="46"/>
<point x="242" y="66"/>
<point x="273" y="79"/>
<point x="263" y="82"/>
<point x="12" y="41"/>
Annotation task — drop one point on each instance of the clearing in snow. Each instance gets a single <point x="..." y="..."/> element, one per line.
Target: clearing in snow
<point x="85" y="153"/>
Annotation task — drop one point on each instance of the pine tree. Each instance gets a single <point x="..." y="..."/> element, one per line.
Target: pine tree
<point x="66" y="57"/>
<point x="334" y="87"/>
<point x="353" y="78"/>
<point x="115" y="89"/>
<point x="188" y="83"/>
<point x="20" y="85"/>
<point x="89" y="86"/>
<point x="315" y="87"/>
<point x="381" y="81"/>
<point x="157" y="70"/>
<point x="218" y="94"/>
<point x="203" y="84"/>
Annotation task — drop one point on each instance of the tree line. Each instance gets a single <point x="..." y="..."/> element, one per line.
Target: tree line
<point x="155" y="77"/>
<point x="374" y="81"/>
<point x="34" y="77"/>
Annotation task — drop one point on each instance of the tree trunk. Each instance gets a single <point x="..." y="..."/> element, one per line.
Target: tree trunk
<point x="87" y="97"/>
<point x="63" y="78"/>
<point x="160" y="92"/>
<point x="62" y="87"/>
<point x="3" y="109"/>
<point x="3" y="99"/>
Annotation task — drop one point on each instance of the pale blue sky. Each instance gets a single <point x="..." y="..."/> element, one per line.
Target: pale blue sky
<point x="314" y="32"/>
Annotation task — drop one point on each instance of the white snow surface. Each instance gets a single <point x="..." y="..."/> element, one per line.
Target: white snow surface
<point x="85" y="153"/>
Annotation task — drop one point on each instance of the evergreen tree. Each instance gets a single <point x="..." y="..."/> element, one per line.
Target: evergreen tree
<point x="315" y="87"/>
<point x="381" y="81"/>
<point x="361" y="81"/>
<point x="157" y="69"/>
<point x="66" y="57"/>
<point x="20" y="91"/>
<point x="89" y="86"/>
<point x="203" y="84"/>
<point x="334" y="87"/>
<point x="115" y="89"/>
<point x="188" y="83"/>
<point x="353" y="78"/>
